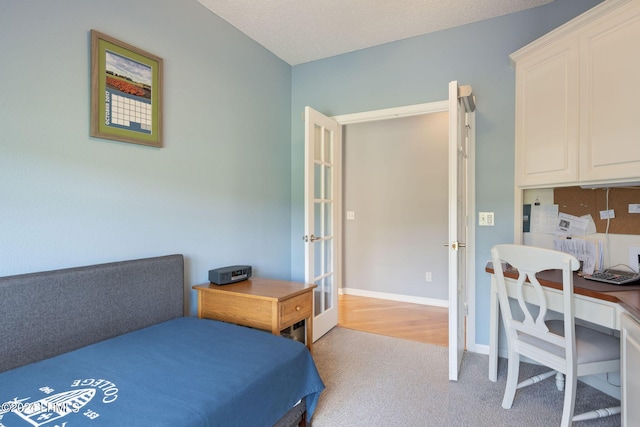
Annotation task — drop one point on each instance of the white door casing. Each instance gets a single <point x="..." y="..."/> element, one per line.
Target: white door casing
<point x="322" y="204"/>
<point x="461" y="144"/>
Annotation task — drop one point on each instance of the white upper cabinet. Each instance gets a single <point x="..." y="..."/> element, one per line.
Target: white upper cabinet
<point x="576" y="121"/>
<point x="609" y="107"/>
<point x="547" y="115"/>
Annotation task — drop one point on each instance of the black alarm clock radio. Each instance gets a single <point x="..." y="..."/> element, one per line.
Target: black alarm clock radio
<point x="231" y="274"/>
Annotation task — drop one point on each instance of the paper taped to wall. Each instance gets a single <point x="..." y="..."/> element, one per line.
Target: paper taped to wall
<point x="570" y="225"/>
<point x="544" y="219"/>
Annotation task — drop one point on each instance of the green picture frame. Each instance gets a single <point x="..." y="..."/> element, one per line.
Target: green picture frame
<point x="126" y="92"/>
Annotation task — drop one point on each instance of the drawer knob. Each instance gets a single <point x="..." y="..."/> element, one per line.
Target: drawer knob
<point x="297" y="308"/>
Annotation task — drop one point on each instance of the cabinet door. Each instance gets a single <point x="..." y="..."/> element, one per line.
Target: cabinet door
<point x="547" y="115"/>
<point x="609" y="122"/>
<point x="630" y="370"/>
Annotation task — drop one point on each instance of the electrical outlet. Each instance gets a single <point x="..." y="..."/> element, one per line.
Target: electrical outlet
<point x="351" y="215"/>
<point x="427" y="277"/>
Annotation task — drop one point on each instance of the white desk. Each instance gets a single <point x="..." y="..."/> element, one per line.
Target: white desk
<point x="611" y="306"/>
<point x="594" y="302"/>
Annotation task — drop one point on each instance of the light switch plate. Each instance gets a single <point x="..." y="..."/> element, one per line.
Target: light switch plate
<point x="486" y="219"/>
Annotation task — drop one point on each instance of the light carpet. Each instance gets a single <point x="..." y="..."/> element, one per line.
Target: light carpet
<point x="375" y="380"/>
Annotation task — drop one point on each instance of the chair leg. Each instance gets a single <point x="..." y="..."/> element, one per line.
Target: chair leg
<point x="598" y="413"/>
<point x="513" y="371"/>
<point x="536" y="379"/>
<point x="560" y="381"/>
<point x="571" y="383"/>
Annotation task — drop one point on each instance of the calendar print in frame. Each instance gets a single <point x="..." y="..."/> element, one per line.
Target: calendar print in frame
<point x="126" y="92"/>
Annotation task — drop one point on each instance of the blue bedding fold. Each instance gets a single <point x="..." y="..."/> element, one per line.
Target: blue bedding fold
<point x="184" y="372"/>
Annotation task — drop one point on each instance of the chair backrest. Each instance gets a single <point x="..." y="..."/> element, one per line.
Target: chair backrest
<point x="529" y="260"/>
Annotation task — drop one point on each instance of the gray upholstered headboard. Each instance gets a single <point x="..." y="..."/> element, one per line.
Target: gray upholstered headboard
<point x="49" y="313"/>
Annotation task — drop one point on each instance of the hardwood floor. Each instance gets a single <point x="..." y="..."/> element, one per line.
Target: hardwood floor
<point x="415" y="322"/>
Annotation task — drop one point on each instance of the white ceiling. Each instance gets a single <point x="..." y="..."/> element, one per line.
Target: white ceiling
<point x="299" y="31"/>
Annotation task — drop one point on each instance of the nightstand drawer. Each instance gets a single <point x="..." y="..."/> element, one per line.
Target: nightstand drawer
<point x="294" y="309"/>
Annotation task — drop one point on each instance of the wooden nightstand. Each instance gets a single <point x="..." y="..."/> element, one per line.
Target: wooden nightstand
<point x="271" y="305"/>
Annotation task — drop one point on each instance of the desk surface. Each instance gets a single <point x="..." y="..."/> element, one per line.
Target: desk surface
<point x="628" y="296"/>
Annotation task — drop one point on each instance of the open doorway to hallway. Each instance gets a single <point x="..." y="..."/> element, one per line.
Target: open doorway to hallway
<point x="396" y="202"/>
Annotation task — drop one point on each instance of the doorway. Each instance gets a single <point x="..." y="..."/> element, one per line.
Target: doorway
<point x="395" y="196"/>
<point x="461" y="143"/>
<point x="396" y="209"/>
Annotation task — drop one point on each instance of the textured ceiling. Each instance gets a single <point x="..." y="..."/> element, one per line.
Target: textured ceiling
<point x="299" y="31"/>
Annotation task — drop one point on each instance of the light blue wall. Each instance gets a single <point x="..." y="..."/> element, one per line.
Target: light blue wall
<point x="227" y="187"/>
<point x="218" y="192"/>
<point x="418" y="70"/>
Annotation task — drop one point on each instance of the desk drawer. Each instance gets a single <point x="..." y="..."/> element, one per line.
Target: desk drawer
<point x="295" y="309"/>
<point x="593" y="310"/>
<point x="597" y="311"/>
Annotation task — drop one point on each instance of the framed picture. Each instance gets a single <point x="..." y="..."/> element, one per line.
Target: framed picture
<point x="126" y="92"/>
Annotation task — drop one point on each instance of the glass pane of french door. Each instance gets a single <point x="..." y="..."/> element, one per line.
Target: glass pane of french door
<point x="323" y="220"/>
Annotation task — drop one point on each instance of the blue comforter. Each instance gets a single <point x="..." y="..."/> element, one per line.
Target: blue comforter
<point x="184" y="372"/>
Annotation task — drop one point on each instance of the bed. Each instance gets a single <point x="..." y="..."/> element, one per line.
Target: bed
<point x="108" y="345"/>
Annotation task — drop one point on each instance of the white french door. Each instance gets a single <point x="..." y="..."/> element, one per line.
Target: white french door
<point x="322" y="176"/>
<point x="461" y="151"/>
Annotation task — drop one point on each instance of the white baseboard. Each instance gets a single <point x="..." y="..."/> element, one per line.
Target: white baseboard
<point x="478" y="348"/>
<point x="395" y="297"/>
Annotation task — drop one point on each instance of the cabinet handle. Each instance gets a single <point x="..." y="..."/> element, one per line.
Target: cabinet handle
<point x="297" y="308"/>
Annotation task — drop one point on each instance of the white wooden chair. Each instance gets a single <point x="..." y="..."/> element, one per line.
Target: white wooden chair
<point x="558" y="344"/>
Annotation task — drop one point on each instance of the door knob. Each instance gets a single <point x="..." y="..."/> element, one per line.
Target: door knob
<point x="456" y="245"/>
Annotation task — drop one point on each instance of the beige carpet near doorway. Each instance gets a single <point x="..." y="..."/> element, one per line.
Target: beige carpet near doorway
<point x="374" y="380"/>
